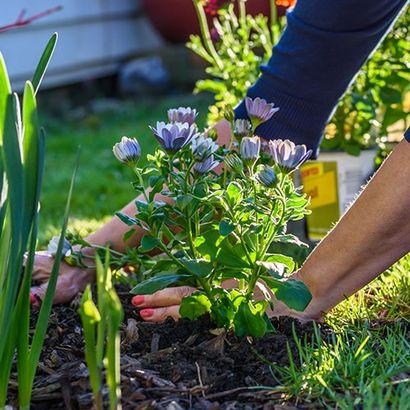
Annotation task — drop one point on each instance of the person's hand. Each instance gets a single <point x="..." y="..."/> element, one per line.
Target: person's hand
<point x="71" y="279"/>
<point x="162" y="304"/>
<point x="166" y="303"/>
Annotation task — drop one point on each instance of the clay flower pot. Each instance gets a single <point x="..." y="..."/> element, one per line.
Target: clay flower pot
<point x="176" y="20"/>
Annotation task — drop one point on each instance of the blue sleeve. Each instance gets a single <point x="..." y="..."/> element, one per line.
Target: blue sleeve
<point x="407" y="135"/>
<point x="321" y="50"/>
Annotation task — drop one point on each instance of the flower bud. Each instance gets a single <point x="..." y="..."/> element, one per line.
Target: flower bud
<point x="267" y="176"/>
<point x="241" y="129"/>
<point x="127" y="151"/>
<point x="250" y="149"/>
<point x="229" y="114"/>
<point x="234" y="163"/>
<point x="53" y="246"/>
<point x="203" y="148"/>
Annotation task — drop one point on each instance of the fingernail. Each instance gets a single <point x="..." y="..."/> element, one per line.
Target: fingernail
<point x="33" y="299"/>
<point x="146" y="313"/>
<point x="138" y="300"/>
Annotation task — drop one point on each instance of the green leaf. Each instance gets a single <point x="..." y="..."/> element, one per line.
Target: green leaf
<point x="233" y="193"/>
<point x="198" y="267"/>
<point x="128" y="220"/>
<point x="44" y="62"/>
<point x="291" y="239"/>
<point x="158" y="282"/>
<point x="194" y="306"/>
<point x="207" y="244"/>
<point x="233" y="256"/>
<point x="293" y="293"/>
<point x="182" y="201"/>
<point x="225" y="228"/>
<point x="249" y="321"/>
<point x="280" y="261"/>
<point x="148" y="243"/>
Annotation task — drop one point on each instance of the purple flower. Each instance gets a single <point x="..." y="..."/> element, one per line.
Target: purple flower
<point x="174" y="136"/>
<point x="250" y="149"/>
<point x="203" y="147"/>
<point x="241" y="129"/>
<point x="205" y="166"/>
<point x="182" y="114"/>
<point x="259" y="110"/>
<point x="267" y="176"/>
<point x="287" y="155"/>
<point x="127" y="151"/>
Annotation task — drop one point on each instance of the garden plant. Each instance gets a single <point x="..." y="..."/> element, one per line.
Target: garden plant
<point x="222" y="211"/>
<point x="239" y="43"/>
<point x="21" y="169"/>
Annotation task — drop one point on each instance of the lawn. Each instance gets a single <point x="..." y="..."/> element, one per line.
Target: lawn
<point x="102" y="185"/>
<point x="366" y="362"/>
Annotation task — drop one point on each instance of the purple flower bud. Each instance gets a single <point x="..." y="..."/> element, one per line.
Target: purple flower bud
<point x="250" y="149"/>
<point x="287" y="155"/>
<point x="267" y="176"/>
<point x="127" y="151"/>
<point x="172" y="137"/>
<point x="182" y="114"/>
<point x="241" y="129"/>
<point x="203" y="147"/>
<point x="205" y="166"/>
<point x="259" y="110"/>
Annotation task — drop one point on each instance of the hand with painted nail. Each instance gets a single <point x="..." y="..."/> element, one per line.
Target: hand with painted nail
<point x="71" y="280"/>
<point x="162" y="304"/>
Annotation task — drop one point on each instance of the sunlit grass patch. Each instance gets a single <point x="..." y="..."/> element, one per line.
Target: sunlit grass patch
<point x="367" y="368"/>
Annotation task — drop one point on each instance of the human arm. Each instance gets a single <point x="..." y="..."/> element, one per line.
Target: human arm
<point x="321" y="50"/>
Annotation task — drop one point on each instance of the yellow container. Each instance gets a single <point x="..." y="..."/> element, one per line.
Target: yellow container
<point x="332" y="183"/>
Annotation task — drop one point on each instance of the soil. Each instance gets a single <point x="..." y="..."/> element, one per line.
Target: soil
<point x="172" y="366"/>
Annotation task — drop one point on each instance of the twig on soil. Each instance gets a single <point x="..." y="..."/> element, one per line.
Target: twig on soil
<point x="21" y="21"/>
<point x="213" y="396"/>
<point x="198" y="369"/>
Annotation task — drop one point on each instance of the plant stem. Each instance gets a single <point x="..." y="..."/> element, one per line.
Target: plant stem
<point x="141" y="182"/>
<point x="206" y="35"/>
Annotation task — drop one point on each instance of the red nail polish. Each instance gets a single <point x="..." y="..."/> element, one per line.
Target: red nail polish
<point x="138" y="300"/>
<point x="33" y="299"/>
<point x="146" y="313"/>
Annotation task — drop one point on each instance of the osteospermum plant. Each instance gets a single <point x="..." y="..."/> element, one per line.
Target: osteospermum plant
<point x="212" y="224"/>
<point x="211" y="214"/>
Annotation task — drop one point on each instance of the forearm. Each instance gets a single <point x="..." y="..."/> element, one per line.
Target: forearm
<point x="368" y="239"/>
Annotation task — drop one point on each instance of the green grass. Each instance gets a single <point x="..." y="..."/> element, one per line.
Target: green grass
<point x="365" y="365"/>
<point x="366" y="362"/>
<point x="103" y="184"/>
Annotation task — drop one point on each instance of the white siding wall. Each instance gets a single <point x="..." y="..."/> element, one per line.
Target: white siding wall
<point x="94" y="37"/>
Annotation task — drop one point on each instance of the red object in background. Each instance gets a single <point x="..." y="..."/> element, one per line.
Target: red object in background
<point x="176" y="20"/>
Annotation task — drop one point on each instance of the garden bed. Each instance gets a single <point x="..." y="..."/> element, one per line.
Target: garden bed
<point x="174" y="365"/>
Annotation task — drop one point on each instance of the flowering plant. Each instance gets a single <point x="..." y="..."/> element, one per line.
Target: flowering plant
<point x="212" y="213"/>
<point x="234" y="48"/>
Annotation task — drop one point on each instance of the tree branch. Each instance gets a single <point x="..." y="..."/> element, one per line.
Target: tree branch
<point x="21" y="21"/>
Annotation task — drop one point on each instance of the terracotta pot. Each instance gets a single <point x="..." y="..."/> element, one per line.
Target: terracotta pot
<point x="176" y="20"/>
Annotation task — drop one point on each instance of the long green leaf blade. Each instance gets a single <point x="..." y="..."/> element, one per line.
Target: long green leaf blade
<point x="44" y="62"/>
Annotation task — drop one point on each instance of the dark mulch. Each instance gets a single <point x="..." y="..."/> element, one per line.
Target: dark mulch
<point x="173" y="365"/>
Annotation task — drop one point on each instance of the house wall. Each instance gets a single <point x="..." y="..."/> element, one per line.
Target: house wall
<point x="95" y="36"/>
